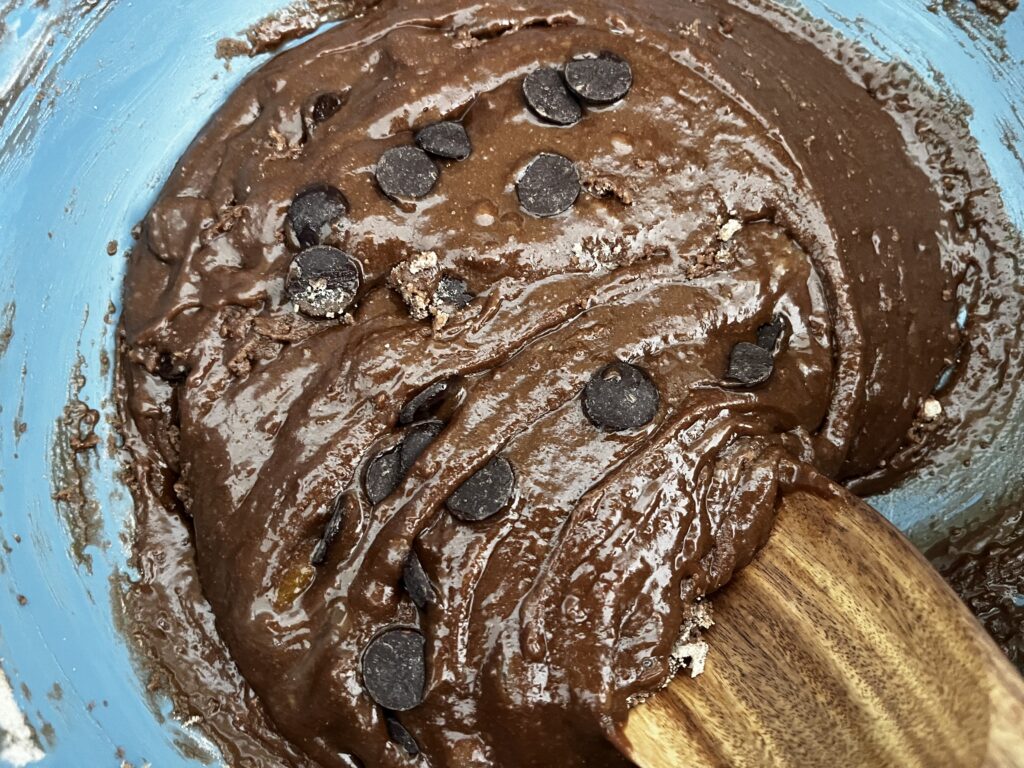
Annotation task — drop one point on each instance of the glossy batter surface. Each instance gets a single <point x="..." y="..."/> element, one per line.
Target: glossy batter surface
<point x="756" y="175"/>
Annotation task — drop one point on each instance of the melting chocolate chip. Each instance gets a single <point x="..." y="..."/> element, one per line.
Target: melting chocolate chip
<point x="620" y="397"/>
<point x="395" y="670"/>
<point x="485" y="493"/>
<point x="770" y="334"/>
<point x="383" y="474"/>
<point x="405" y="173"/>
<point x="416" y="441"/>
<point x="416" y="583"/>
<point x="323" y="281"/>
<point x="424" y="404"/>
<point x="331" y="531"/>
<point x="602" y="79"/>
<point x="453" y="292"/>
<point x="400" y="736"/>
<point x="548" y="96"/>
<point x="313" y="213"/>
<point x="750" y="364"/>
<point x="446" y="139"/>
<point x="549" y="185"/>
<point x="327" y="105"/>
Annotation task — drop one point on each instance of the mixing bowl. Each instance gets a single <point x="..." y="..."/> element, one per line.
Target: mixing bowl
<point x="99" y="98"/>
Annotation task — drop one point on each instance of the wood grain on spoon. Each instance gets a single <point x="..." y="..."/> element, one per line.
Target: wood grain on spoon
<point x="838" y="646"/>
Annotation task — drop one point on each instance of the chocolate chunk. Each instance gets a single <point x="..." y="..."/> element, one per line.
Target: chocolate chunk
<point x="383" y="474"/>
<point x="620" y="397"/>
<point x="424" y="404"/>
<point x="549" y="185"/>
<point x="323" y="281"/>
<point x="446" y="139"/>
<point x="313" y="213"/>
<point x="327" y="105"/>
<point x="602" y="79"/>
<point x="395" y="670"/>
<point x="405" y="173"/>
<point x="485" y="493"/>
<point x="417" y="439"/>
<point x="771" y="334"/>
<point x="750" y="364"/>
<point x="416" y="583"/>
<point x="331" y="531"/>
<point x="400" y="736"/>
<point x="548" y="96"/>
<point x="453" y="292"/>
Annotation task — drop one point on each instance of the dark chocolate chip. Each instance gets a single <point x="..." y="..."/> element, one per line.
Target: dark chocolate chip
<point x="327" y="105"/>
<point x="446" y="139"/>
<point x="485" y="493"/>
<point x="383" y="474"/>
<point x="424" y="404"/>
<point x="405" y="173"/>
<point x="548" y="96"/>
<point x="770" y="334"/>
<point x="602" y="79"/>
<point x="750" y="364"/>
<point x="549" y="185"/>
<point x="331" y="531"/>
<point x="400" y="736"/>
<point x="416" y="583"/>
<point x="620" y="397"/>
<point x="389" y="467"/>
<point x="170" y="369"/>
<point x="417" y="438"/>
<point x="453" y="292"/>
<point x="313" y="213"/>
<point x="395" y="670"/>
<point x="323" y="281"/>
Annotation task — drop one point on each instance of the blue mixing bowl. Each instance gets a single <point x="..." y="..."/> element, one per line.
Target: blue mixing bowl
<point x="99" y="98"/>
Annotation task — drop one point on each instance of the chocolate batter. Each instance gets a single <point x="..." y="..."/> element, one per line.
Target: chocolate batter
<point x="453" y="398"/>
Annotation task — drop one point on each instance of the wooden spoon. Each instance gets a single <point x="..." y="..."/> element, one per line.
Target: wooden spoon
<point x="838" y="646"/>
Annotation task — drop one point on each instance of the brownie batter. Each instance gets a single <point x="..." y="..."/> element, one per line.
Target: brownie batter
<point x="470" y="346"/>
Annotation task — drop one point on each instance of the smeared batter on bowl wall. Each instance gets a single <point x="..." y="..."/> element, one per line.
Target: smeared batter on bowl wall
<point x="435" y="452"/>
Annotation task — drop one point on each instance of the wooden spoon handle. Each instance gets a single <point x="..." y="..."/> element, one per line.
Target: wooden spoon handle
<point x="838" y="646"/>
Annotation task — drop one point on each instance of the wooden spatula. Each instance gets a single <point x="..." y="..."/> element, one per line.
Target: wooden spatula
<point x="838" y="646"/>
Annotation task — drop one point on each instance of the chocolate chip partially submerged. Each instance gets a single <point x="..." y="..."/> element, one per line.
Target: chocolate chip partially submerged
<point x="389" y="468"/>
<point x="750" y="364"/>
<point x="323" y="281"/>
<point x="416" y="583"/>
<point x="548" y="96"/>
<point x="446" y="139"/>
<point x="327" y="105"/>
<point x="620" y="397"/>
<point x="383" y="474"/>
<point x="602" y="79"/>
<point x="395" y="670"/>
<point x="770" y="334"/>
<point x="549" y="185"/>
<point x="405" y="173"/>
<point x="417" y="440"/>
<point x="313" y="213"/>
<point x="423" y="404"/>
<point x="331" y="531"/>
<point x="401" y="736"/>
<point x="453" y="292"/>
<point x="485" y="493"/>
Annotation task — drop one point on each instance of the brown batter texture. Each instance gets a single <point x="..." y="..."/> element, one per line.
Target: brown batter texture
<point x="756" y="169"/>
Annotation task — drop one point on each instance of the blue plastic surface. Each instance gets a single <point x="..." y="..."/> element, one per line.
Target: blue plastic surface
<point x="124" y="87"/>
